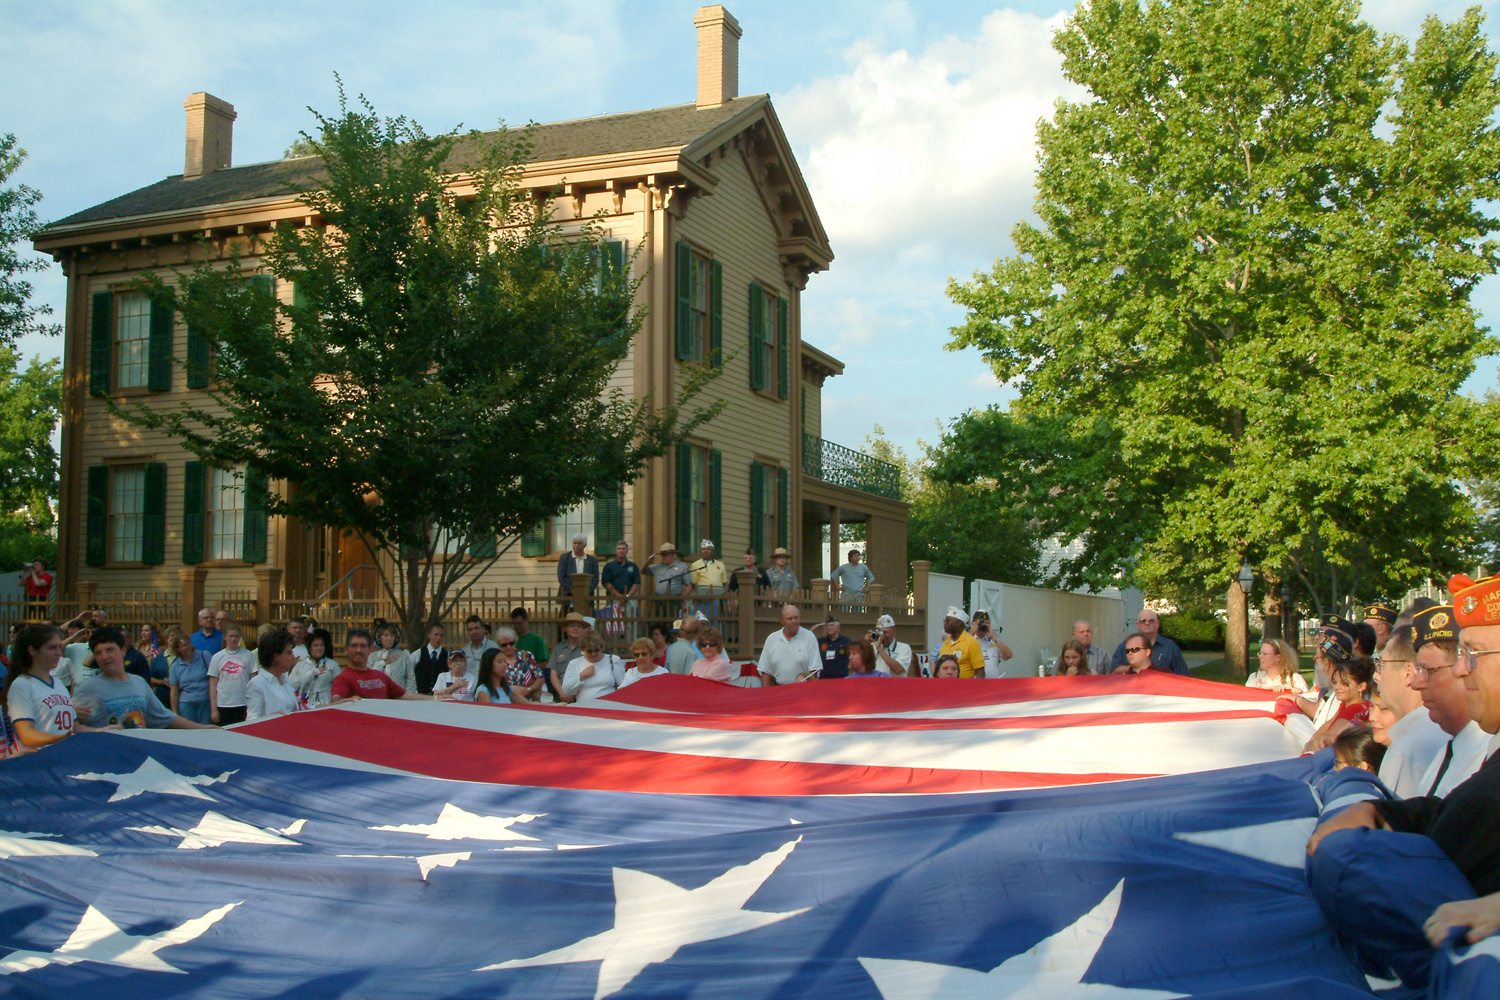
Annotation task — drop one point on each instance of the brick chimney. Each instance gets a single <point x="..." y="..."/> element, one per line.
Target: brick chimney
<point x="210" y="134"/>
<point x="718" y="56"/>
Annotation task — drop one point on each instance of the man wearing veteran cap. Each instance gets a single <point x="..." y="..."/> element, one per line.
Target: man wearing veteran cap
<point x="710" y="576"/>
<point x="895" y="654"/>
<point x="670" y="578"/>
<point x="1416" y="741"/>
<point x="1443" y="695"/>
<point x="1380" y="617"/>
<point x="783" y="578"/>
<point x="960" y="643"/>
<point x="1437" y="890"/>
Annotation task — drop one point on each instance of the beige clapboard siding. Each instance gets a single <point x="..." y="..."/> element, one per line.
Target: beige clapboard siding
<point x="112" y="440"/>
<point x="814" y="417"/>
<point x="734" y="227"/>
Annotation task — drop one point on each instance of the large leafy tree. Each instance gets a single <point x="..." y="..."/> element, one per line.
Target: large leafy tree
<point x="30" y="401"/>
<point x="18" y="221"/>
<point x="442" y="379"/>
<point x="1240" y="327"/>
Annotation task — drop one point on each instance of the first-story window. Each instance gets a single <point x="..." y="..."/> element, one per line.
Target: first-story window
<point x="127" y="513"/>
<point x="225" y="510"/>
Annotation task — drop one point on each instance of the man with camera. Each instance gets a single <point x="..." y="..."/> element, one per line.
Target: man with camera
<point x="995" y="652"/>
<point x="895" y="654"/>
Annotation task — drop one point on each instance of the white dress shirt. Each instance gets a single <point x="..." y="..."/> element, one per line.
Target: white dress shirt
<point x="1469" y="749"/>
<point x="1416" y="741"/>
<point x="269" y="694"/>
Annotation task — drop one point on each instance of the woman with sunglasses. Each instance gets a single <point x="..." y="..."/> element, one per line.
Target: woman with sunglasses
<point x="713" y="665"/>
<point x="518" y="665"/>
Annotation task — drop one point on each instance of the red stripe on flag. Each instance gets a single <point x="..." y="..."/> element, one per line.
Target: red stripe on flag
<point x="503" y="758"/>
<point x="674" y="692"/>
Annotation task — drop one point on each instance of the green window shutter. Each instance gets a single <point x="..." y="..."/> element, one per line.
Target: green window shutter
<point x="197" y="359"/>
<point x="253" y="534"/>
<point x="757" y="511"/>
<point x="484" y="548"/>
<point x="614" y="258"/>
<point x="716" y="499"/>
<point x="159" y="369"/>
<point x="194" y="486"/>
<point x="783" y="339"/>
<point x="609" y="521"/>
<point x="96" y="524"/>
<point x="685" y="540"/>
<point x="534" y="541"/>
<point x="299" y="298"/>
<point x="154" y="521"/>
<point x="757" y="337"/>
<point x="716" y="314"/>
<point x="783" y="525"/>
<point x="803" y="409"/>
<point x="100" y="343"/>
<point x="684" y="302"/>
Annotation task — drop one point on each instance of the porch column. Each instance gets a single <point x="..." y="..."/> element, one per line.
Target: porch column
<point x="267" y="589"/>
<point x="193" y="579"/>
<point x="834" y="560"/>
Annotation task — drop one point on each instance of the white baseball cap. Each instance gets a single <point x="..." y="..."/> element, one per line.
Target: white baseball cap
<point x="885" y="621"/>
<point x="957" y="613"/>
<point x="705" y="544"/>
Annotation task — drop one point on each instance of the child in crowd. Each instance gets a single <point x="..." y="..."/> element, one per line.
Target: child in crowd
<point x="456" y="682"/>
<point x="1357" y="747"/>
<point x="1351" y="690"/>
<point x="313" y="675"/>
<point x="492" y="686"/>
<point x="229" y="675"/>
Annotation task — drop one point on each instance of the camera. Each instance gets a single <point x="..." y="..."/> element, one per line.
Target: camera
<point x="875" y="635"/>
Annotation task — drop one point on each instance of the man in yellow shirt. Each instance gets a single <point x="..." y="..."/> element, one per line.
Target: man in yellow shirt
<point x="961" y="644"/>
<point x="710" y="577"/>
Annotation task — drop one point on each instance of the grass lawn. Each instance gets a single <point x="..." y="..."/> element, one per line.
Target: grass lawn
<point x="1218" y="669"/>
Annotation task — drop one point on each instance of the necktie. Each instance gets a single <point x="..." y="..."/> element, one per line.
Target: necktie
<point x="1447" y="759"/>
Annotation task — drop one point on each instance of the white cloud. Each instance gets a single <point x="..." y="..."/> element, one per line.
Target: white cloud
<point x="937" y="146"/>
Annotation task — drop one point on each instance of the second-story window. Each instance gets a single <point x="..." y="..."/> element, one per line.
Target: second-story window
<point x="132" y="340"/>
<point x="702" y="288"/>
<point x="700" y="305"/>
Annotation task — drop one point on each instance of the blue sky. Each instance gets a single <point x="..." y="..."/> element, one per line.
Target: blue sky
<point x="911" y="121"/>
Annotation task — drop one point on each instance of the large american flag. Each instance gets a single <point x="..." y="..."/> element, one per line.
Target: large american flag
<point x="897" y="839"/>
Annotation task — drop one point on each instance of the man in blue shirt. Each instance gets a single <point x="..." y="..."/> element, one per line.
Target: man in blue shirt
<point x="1165" y="655"/>
<point x="208" y="640"/>
<point x="622" y="582"/>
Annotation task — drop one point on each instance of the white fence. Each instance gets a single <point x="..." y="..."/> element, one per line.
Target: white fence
<point x="943" y="592"/>
<point x="1037" y="622"/>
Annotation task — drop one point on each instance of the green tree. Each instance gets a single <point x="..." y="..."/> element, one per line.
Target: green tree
<point x="441" y="378"/>
<point x="965" y="529"/>
<point x="18" y="221"/>
<point x="30" y="399"/>
<point x="1240" y="327"/>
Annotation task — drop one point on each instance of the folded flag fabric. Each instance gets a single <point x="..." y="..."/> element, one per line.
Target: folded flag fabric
<point x="685" y="734"/>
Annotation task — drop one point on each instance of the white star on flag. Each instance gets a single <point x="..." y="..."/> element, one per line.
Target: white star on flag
<point x="98" y="939"/>
<point x="26" y="845"/>
<point x="425" y="862"/>
<point x="152" y="776"/>
<point x="654" y="918"/>
<point x="1050" y="970"/>
<point x="454" y="823"/>
<point x="215" y="829"/>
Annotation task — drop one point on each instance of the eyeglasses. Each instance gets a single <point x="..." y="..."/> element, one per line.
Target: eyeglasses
<point x="1135" y="649"/>
<point x="1467" y="655"/>
<point x="1427" y="671"/>
<point x="708" y="645"/>
<point x="507" y="642"/>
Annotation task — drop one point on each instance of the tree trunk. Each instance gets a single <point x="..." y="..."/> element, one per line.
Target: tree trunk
<point x="1236" y="633"/>
<point x="1271" y="613"/>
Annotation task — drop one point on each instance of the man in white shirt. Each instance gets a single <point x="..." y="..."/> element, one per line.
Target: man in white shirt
<point x="894" y="654"/>
<point x="478" y="643"/>
<point x="791" y="653"/>
<point x="298" y="629"/>
<point x="1097" y="657"/>
<point x="1416" y="741"/>
<point x="994" y="651"/>
<point x="1443" y="694"/>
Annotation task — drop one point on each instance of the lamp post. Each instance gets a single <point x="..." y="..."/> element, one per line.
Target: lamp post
<point x="1237" y="635"/>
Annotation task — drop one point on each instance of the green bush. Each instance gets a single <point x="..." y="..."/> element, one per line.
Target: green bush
<point x="1194" y="633"/>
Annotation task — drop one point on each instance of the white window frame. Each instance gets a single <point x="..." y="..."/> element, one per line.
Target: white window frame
<point x="127" y="513"/>
<point x="132" y="340"/>
<point x="561" y="529"/>
<point x="224" y="514"/>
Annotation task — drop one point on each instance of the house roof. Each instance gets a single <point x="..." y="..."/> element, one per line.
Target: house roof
<point x="659" y="128"/>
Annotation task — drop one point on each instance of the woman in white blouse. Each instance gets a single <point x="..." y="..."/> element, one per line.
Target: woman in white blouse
<point x="1279" y="669"/>
<point x="390" y="657"/>
<point x="594" y="674"/>
<point x="270" y="692"/>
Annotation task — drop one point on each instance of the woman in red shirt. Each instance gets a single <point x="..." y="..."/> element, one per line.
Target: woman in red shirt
<point x="38" y="584"/>
<point x="1351" y="687"/>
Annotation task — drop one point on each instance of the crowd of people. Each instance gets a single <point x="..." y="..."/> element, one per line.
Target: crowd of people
<point x="1412" y="697"/>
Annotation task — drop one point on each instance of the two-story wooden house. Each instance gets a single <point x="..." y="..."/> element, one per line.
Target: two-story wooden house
<point x="708" y="200"/>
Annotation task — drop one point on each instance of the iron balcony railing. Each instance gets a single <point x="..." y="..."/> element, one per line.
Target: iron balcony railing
<point x="833" y="463"/>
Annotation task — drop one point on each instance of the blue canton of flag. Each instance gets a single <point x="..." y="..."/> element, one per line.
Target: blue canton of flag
<point x="138" y="868"/>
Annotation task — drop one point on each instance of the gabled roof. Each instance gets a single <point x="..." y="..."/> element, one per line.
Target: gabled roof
<point x="661" y="128"/>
